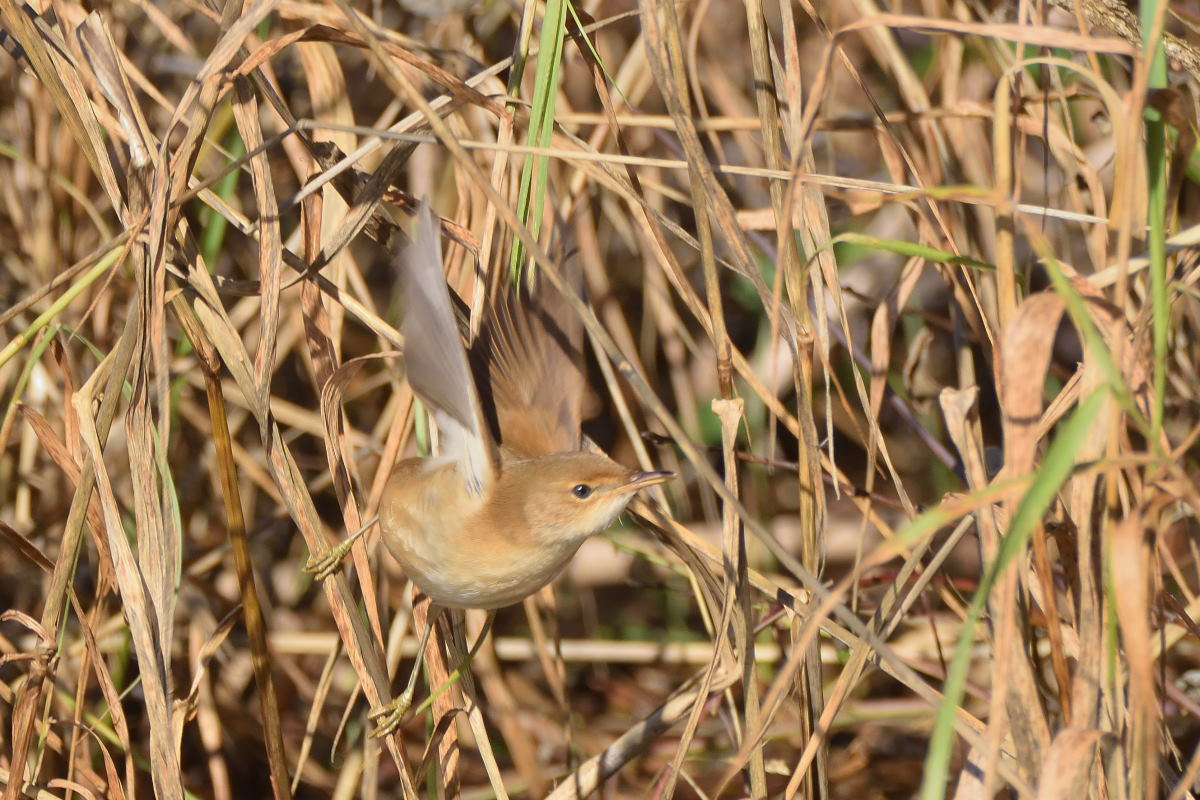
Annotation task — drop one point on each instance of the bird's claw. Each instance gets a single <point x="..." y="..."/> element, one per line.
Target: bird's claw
<point x="324" y="565"/>
<point x="387" y="717"/>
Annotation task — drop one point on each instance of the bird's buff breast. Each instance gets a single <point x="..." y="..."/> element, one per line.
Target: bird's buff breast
<point x="453" y="552"/>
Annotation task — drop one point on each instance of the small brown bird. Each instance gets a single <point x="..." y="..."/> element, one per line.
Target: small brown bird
<point x="499" y="514"/>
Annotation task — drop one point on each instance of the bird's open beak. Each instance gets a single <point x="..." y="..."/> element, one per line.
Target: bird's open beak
<point x="641" y="480"/>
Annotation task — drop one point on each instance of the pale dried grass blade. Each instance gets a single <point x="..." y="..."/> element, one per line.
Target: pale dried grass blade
<point x="1069" y="762"/>
<point x="141" y="613"/>
<point x="58" y="451"/>
<point x="338" y="454"/>
<point x="270" y="244"/>
<point x="50" y="65"/>
<point x="252" y="611"/>
<point x="101" y="53"/>
<point x="1131" y="569"/>
<point x="362" y="648"/>
<point x="592" y="773"/>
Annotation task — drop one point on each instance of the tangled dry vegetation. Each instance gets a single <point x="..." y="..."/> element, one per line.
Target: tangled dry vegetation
<point x="905" y="295"/>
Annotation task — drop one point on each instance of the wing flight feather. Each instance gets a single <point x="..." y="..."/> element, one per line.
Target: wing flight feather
<point x="535" y="365"/>
<point x="436" y="361"/>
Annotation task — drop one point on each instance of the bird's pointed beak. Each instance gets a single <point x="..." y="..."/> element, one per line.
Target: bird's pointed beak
<point x="642" y="480"/>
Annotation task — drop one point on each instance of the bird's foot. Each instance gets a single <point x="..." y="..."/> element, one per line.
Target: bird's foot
<point x="387" y="717"/>
<point x="329" y="562"/>
<point x="323" y="565"/>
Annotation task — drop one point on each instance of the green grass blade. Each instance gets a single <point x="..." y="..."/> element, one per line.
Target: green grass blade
<point x="1156" y="185"/>
<point x="24" y="337"/>
<point x="1056" y="468"/>
<point x="531" y="194"/>
<point x="908" y="249"/>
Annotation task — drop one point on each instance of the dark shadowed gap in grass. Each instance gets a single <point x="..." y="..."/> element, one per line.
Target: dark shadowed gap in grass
<point x="214" y="226"/>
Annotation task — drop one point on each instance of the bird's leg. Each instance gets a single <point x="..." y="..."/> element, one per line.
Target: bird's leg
<point x="327" y="563"/>
<point x="457" y="674"/>
<point x="387" y="717"/>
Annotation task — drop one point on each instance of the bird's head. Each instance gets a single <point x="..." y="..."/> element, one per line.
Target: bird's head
<point x="570" y="496"/>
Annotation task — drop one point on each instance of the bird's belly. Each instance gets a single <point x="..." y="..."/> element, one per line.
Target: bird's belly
<point x="467" y="568"/>
<point x="501" y="581"/>
<point x="457" y="553"/>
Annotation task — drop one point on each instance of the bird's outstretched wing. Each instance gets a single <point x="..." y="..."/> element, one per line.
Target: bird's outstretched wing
<point x="535" y="366"/>
<point x="436" y="362"/>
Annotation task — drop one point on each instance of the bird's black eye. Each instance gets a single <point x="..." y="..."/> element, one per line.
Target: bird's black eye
<point x="582" y="491"/>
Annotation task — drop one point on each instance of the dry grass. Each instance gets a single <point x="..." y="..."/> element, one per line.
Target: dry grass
<point x="890" y="288"/>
